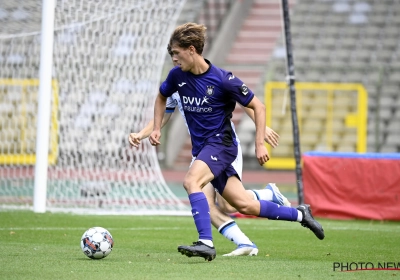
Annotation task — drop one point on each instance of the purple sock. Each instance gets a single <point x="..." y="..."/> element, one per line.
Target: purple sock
<point x="274" y="211"/>
<point x="201" y="215"/>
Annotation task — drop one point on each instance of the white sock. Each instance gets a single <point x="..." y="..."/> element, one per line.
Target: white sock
<point x="232" y="232"/>
<point x="299" y="216"/>
<point x="264" y="194"/>
<point x="209" y="243"/>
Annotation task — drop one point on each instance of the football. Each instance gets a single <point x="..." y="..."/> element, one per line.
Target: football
<point x="97" y="243"/>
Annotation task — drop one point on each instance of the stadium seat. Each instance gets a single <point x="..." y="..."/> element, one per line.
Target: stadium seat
<point x="350" y="31"/>
<point x="283" y="151"/>
<point x="363" y="51"/>
<point x="394" y="77"/>
<point x="312" y="125"/>
<point x="388" y="148"/>
<point x="369" y="43"/>
<point x="346" y="148"/>
<point x="393" y="127"/>
<point x="393" y="139"/>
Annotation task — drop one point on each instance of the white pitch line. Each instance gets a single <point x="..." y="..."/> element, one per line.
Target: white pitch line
<point x="110" y="229"/>
<point x="395" y="229"/>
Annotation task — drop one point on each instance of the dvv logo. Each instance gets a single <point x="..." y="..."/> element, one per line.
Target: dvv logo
<point x="195" y="100"/>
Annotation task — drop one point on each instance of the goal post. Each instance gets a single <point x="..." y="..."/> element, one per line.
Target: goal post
<point x="107" y="62"/>
<point x="44" y="103"/>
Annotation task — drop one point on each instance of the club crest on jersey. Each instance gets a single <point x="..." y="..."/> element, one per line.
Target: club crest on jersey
<point x="244" y="89"/>
<point x="210" y="90"/>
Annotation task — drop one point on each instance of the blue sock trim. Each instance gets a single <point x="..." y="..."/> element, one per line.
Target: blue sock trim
<point x="258" y="197"/>
<point x="226" y="227"/>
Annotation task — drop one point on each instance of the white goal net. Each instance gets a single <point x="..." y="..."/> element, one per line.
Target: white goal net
<point x="107" y="62"/>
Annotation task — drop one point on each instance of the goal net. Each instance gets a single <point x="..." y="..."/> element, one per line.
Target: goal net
<point x="107" y="62"/>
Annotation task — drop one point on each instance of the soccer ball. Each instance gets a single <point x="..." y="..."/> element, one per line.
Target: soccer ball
<point x="97" y="243"/>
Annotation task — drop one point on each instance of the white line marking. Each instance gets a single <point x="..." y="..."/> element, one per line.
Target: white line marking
<point x="110" y="229"/>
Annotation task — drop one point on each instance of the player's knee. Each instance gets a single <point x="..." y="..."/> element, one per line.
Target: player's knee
<point x="186" y="185"/>
<point x="191" y="186"/>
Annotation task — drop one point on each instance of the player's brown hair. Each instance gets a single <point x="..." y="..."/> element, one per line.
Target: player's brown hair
<point x="189" y="34"/>
<point x="169" y="50"/>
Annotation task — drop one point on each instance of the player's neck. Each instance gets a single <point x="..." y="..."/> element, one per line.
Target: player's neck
<point x="200" y="66"/>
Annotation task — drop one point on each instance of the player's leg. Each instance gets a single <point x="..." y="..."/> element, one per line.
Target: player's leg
<point x="212" y="160"/>
<point x="225" y="206"/>
<point x="228" y="227"/>
<point x="235" y="194"/>
<point x="270" y="192"/>
<point x="196" y="178"/>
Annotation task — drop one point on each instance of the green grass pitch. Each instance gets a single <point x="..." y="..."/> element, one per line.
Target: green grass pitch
<point x="46" y="246"/>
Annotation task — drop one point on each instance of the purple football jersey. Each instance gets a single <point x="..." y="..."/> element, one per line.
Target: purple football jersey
<point x="208" y="101"/>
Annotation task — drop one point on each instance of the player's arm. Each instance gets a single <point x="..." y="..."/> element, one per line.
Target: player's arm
<point x="271" y="137"/>
<point x="159" y="107"/>
<point x="259" y="120"/>
<point x="135" y="138"/>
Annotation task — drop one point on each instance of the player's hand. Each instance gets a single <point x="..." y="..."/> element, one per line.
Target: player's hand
<point x="271" y="137"/>
<point x="155" y="138"/>
<point x="262" y="154"/>
<point x="134" y="139"/>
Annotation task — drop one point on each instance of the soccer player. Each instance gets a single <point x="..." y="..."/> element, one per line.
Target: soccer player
<point x="224" y="224"/>
<point x="209" y="95"/>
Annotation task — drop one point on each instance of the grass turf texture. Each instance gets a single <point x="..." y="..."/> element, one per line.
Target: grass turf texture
<point x="46" y="246"/>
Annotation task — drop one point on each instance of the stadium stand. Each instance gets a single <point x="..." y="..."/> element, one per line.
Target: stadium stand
<point x="354" y="41"/>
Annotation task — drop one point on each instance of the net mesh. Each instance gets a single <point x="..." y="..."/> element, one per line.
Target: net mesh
<point x="107" y="62"/>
